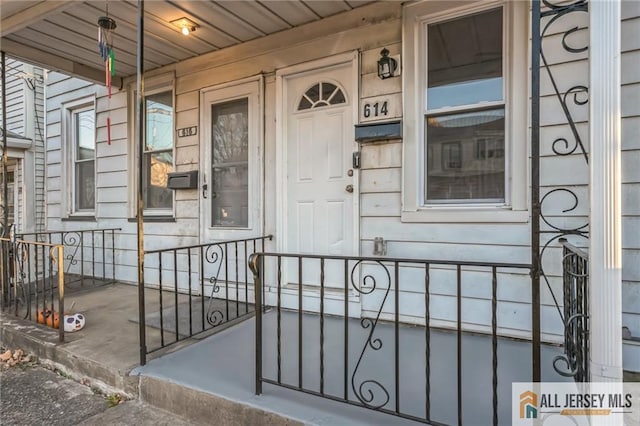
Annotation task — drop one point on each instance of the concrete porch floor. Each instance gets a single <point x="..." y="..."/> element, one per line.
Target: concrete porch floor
<point x="221" y="367"/>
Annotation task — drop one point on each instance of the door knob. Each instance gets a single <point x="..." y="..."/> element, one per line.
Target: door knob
<point x="349" y="188"/>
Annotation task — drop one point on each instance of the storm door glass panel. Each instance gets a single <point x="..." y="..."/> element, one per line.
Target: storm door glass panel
<point x="84" y="158"/>
<point x="158" y="155"/>
<point x="465" y="110"/>
<point x="230" y="164"/>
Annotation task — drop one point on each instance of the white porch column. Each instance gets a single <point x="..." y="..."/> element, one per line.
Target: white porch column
<point x="605" y="248"/>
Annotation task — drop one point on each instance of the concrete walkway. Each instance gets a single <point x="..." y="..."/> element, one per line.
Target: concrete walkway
<point x="36" y="396"/>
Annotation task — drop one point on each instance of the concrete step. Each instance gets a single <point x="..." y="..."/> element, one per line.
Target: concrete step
<point x="197" y="407"/>
<point x="203" y="408"/>
<point x="43" y="343"/>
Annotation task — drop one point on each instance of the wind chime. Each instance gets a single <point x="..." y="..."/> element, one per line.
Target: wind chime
<point x="106" y="25"/>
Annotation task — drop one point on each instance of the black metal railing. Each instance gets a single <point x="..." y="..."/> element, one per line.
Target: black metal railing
<point x="199" y="288"/>
<point x="90" y="255"/>
<point x="554" y="209"/>
<point x="33" y="285"/>
<point x="316" y="341"/>
<point x="575" y="288"/>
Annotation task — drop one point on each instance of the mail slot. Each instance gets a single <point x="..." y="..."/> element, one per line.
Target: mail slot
<point x="183" y="180"/>
<point x="371" y="132"/>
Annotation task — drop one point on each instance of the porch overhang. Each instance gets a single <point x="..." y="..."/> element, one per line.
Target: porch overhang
<point x="16" y="143"/>
<point x="61" y="35"/>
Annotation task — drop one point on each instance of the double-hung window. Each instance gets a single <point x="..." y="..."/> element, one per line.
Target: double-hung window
<point x="464" y="102"/>
<point x="84" y="159"/>
<point x="158" y="152"/>
<point x="465" y="122"/>
<point x="79" y="129"/>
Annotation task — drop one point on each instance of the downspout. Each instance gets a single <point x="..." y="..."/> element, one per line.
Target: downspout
<point x="4" y="262"/>
<point x="140" y="219"/>
<point x="5" y="188"/>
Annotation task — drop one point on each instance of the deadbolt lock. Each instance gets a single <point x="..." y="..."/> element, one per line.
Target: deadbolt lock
<point x="349" y="188"/>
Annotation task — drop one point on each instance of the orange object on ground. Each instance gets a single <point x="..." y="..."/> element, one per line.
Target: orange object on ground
<point x="48" y="317"/>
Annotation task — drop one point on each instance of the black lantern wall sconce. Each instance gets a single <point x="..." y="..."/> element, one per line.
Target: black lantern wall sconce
<point x="386" y="65"/>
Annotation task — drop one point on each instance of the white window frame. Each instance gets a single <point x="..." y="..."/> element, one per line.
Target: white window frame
<point x="516" y="94"/>
<point x="68" y="147"/>
<point x="251" y="88"/>
<point x="153" y="85"/>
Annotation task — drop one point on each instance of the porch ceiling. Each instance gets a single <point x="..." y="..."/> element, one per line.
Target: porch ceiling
<point x="62" y="34"/>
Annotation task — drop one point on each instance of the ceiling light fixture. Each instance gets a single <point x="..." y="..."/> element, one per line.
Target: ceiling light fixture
<point x="186" y="25"/>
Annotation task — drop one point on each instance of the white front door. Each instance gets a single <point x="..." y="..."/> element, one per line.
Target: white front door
<point x="320" y="182"/>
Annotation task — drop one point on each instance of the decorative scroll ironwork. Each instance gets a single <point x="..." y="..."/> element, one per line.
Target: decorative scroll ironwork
<point x="193" y="308"/>
<point x="19" y="279"/>
<point x="34" y="272"/>
<point x="575" y="289"/>
<point x="369" y="370"/>
<point x="2" y="226"/>
<point x="214" y="254"/>
<point x="556" y="225"/>
<point x="71" y="240"/>
<point x="89" y="254"/>
<point x="366" y="390"/>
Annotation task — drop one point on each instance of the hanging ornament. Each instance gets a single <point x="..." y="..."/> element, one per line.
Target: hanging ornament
<point x="106" y="25"/>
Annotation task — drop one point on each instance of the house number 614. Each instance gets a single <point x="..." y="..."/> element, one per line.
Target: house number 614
<point x="376" y="110"/>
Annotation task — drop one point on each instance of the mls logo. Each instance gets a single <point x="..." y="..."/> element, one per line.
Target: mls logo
<point x="528" y="405"/>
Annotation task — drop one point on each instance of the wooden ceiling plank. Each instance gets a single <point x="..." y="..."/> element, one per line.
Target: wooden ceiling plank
<point x="81" y="41"/>
<point x="293" y="12"/>
<point x="122" y="46"/>
<point x="54" y="62"/>
<point x="127" y="30"/>
<point x="12" y="7"/>
<point x="222" y="20"/>
<point x="46" y="43"/>
<point x="358" y="3"/>
<point x="125" y="14"/>
<point x="32" y="15"/>
<point x="326" y="8"/>
<point x="257" y="16"/>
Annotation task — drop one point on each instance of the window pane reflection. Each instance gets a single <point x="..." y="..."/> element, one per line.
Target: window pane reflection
<point x="465" y="156"/>
<point x="158" y="156"/>
<point x="157" y="166"/>
<point x="465" y="60"/>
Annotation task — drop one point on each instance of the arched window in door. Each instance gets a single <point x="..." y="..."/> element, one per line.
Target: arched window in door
<point x="320" y="95"/>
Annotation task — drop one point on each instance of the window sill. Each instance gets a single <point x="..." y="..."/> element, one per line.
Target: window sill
<point x="465" y="215"/>
<point x="154" y="219"/>
<point x="78" y="219"/>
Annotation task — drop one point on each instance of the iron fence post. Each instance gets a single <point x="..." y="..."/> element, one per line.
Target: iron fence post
<point x="140" y="119"/>
<point x="60" y="292"/>
<point x="256" y="263"/>
<point x="535" y="190"/>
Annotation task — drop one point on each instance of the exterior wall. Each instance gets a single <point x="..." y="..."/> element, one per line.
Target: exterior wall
<point x="368" y="30"/>
<point x="25" y="116"/>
